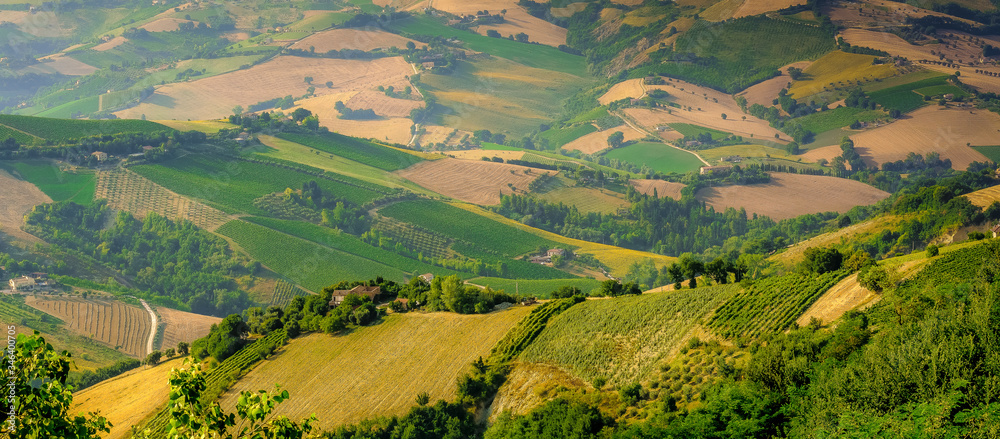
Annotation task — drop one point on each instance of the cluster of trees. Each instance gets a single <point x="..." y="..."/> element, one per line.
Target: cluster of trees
<point x="449" y="293"/>
<point x="848" y="156"/>
<point x="916" y="162"/>
<point x="360" y="114"/>
<point x="174" y="260"/>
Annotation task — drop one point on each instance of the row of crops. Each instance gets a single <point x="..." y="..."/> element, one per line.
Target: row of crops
<point x="355" y="149"/>
<point x="771" y="304"/>
<point x="623" y="339"/>
<point x="518" y="338"/>
<point x="417" y="239"/>
<point x="284" y="292"/>
<point x="220" y="377"/>
<point x="64" y="129"/>
<point x="958" y="266"/>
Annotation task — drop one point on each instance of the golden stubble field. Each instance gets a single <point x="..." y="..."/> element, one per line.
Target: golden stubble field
<point x="946" y="131"/>
<point x="18" y="198"/>
<point x="757" y="7"/>
<point x="792" y="195"/>
<point x="215" y="97"/>
<point x="356" y="39"/>
<point x="840" y="298"/>
<point x="598" y="141"/>
<point x="183" y="326"/>
<point x="165" y="24"/>
<point x="476" y="182"/>
<point x="516" y="20"/>
<point x="763" y="93"/>
<point x="377" y="370"/>
<point x="129" y="398"/>
<point x="984" y="197"/>
<point x="663" y="188"/>
<point x="116" y="324"/>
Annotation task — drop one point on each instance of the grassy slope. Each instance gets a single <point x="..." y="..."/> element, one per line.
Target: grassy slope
<point x="62" y="129"/>
<point x="657" y="156"/>
<point x="59" y="185"/>
<point x="623" y="339"/>
<point x="541" y="288"/>
<point x="377" y="370"/>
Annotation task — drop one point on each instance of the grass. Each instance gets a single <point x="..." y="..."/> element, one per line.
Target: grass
<point x="623" y="339"/>
<point x="232" y="186"/>
<point x="320" y="21"/>
<point x="657" y="156"/>
<point x="841" y="117"/>
<point x="86" y="105"/>
<point x="541" y="288"/>
<point x="587" y="200"/>
<point x="488" y="146"/>
<point x="941" y="90"/>
<point x="312" y="265"/>
<point x="690" y="130"/>
<point x="347" y="243"/>
<point x="590" y="116"/>
<point x="839" y="70"/>
<point x="355" y="149"/>
<point x="558" y="137"/>
<point x="59" y="130"/>
<point x="991" y="152"/>
<point x="76" y="186"/>
<point x="904" y="97"/>
<point x="531" y="55"/>
<point x="409" y="353"/>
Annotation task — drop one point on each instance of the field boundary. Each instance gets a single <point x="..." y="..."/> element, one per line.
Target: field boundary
<point x="635" y="126"/>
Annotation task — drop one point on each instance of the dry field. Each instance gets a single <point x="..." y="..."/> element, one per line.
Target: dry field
<point x="453" y="178"/>
<point x="854" y="232"/>
<point x="184" y="326"/>
<point x="757" y="7"/>
<point x="586" y="199"/>
<point x="960" y="49"/>
<point x="523" y="390"/>
<point x="880" y="13"/>
<point x="118" y="325"/>
<point x="17" y="199"/>
<point x="598" y="141"/>
<point x="841" y="70"/>
<point x="632" y="88"/>
<point x="929" y="129"/>
<point x="384" y="105"/>
<point x="215" y="97"/>
<point x="663" y="188"/>
<point x="569" y="10"/>
<point x="60" y="63"/>
<point x="439" y="134"/>
<point x="478" y="154"/>
<point x="840" y="298"/>
<point x="110" y="44"/>
<point x="984" y="197"/>
<point x="721" y="10"/>
<point x="357" y="39"/>
<point x="165" y="24"/>
<point x="376" y="370"/>
<point x="41" y="23"/>
<point x="791" y="195"/>
<point x="129" y="398"/>
<point x="764" y="92"/>
<point x="517" y="20"/>
<point x="131" y="192"/>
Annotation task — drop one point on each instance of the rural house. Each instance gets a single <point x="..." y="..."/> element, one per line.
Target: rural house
<point x="555" y="252"/>
<point x="101" y="156"/>
<point x="360" y="290"/>
<point x="23" y="283"/>
<point x="996" y="230"/>
<point x="427" y="277"/>
<point x="716" y="169"/>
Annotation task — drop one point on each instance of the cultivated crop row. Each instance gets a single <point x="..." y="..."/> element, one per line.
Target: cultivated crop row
<point x="132" y="192"/>
<point x="771" y="304"/>
<point x="284" y="291"/>
<point x="518" y="338"/>
<point x="63" y="129"/>
<point x="417" y="239"/>
<point x="354" y="149"/>
<point x="123" y="327"/>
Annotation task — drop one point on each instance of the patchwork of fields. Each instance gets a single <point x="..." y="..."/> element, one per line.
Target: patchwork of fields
<point x="454" y="178"/>
<point x="133" y="193"/>
<point x="124" y="327"/>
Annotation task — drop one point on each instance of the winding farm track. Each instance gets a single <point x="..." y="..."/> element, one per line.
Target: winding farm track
<point x="152" y="331"/>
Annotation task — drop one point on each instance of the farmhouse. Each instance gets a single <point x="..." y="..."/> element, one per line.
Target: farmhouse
<point x="101" y="156"/>
<point x="23" y="283"/>
<point x="427" y="277"/>
<point x="555" y="252"/>
<point x="716" y="169"/>
<point x="360" y="290"/>
<point x="996" y="230"/>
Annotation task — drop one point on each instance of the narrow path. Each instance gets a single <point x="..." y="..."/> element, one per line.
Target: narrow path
<point x="636" y="127"/>
<point x="152" y="332"/>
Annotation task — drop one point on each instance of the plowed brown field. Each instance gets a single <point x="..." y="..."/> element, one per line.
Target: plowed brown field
<point x="118" y="325"/>
<point x="183" y="326"/>
<point x="475" y="182"/>
<point x="357" y="39"/>
<point x="663" y="188"/>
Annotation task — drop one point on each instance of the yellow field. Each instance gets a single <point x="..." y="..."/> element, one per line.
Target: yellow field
<point x="377" y="370"/>
<point x="569" y="10"/>
<point x="841" y="69"/>
<point x="205" y="126"/>
<point x="451" y="178"/>
<point x="598" y="141"/>
<point x="764" y="92"/>
<point x="854" y="232"/>
<point x="357" y="39"/>
<point x="616" y="258"/>
<point x="840" y="298"/>
<point x="662" y="188"/>
<point x="723" y="10"/>
<point x="983" y="198"/>
<point x="756" y="7"/>
<point x="478" y="154"/>
<point x="128" y="398"/>
<point x="586" y="199"/>
<point x="752" y="150"/>
<point x="521" y="392"/>
<point x="632" y="88"/>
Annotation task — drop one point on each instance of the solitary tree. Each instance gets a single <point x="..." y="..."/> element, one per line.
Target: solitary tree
<point x="308" y="79"/>
<point x="153" y="358"/>
<point x="724" y="116"/>
<point x="615" y="140"/>
<point x="182" y="348"/>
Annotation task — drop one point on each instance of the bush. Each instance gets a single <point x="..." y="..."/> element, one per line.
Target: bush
<point x="932" y="250"/>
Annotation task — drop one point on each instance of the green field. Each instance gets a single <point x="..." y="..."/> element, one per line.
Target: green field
<point x="534" y="287"/>
<point x="347" y="243"/>
<point x="941" y="90"/>
<point x="63" y="129"/>
<point x="591" y="115"/>
<point x="233" y="186"/>
<point x="86" y="105"/>
<point x="307" y="263"/>
<point x="355" y="149"/>
<point x="991" y="152"/>
<point x="657" y="156"/>
<point x="689" y="130"/>
<point x="623" y="339"/>
<point x="837" y="118"/>
<point x="489" y="146"/>
<point x="59" y="185"/>
<point x="321" y="21"/>
<point x="904" y="97"/>
<point x="558" y="137"/>
<point x="531" y="55"/>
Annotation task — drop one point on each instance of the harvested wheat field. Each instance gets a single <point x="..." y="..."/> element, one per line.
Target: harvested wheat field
<point x="434" y="134"/>
<point x="215" y="97"/>
<point x="945" y="131"/>
<point x="165" y="24"/>
<point x="378" y="369"/>
<point x="355" y="39"/>
<point x="854" y="232"/>
<point x="127" y="399"/>
<point x="453" y="178"/>
<point x="522" y="391"/>
<point x="133" y="193"/>
<point x="757" y="7"/>
<point x="959" y="49"/>
<point x="841" y="70"/>
<point x="62" y="64"/>
<point x="183" y="326"/>
<point x="110" y="44"/>
<point x="791" y="195"/>
<point x="384" y="105"/>
<point x="17" y="199"/>
<point x="123" y="327"/>
<point x="393" y="129"/>
<point x="478" y="154"/>
<point x="840" y="298"/>
<point x="598" y="141"/>
<point x="517" y="21"/>
<point x="633" y="88"/>
<point x="568" y="10"/>
<point x="721" y="10"/>
<point x="985" y="197"/>
<point x="763" y="93"/>
<point x="663" y="188"/>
